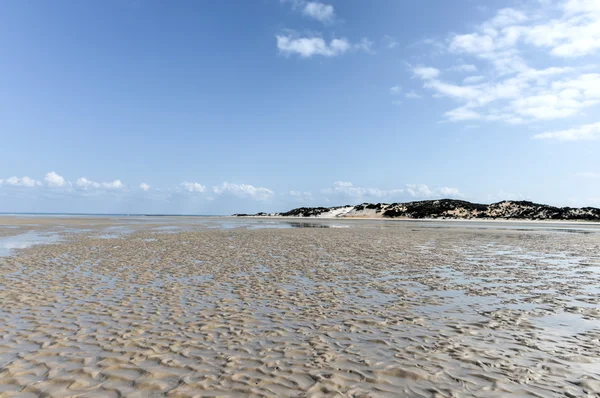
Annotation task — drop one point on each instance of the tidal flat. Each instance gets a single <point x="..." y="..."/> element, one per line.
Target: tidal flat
<point x="196" y="307"/>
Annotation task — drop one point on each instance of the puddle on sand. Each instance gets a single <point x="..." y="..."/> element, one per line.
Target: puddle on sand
<point x="28" y="239"/>
<point x="566" y="324"/>
<point x="168" y="228"/>
<point x="116" y="232"/>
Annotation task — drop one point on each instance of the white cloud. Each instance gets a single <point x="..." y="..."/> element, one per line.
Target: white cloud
<point x="582" y="133"/>
<point x="466" y="93"/>
<point x="588" y="174"/>
<point x="243" y="191"/>
<point x="506" y="17"/>
<point x="319" y="11"/>
<point x="413" y="95"/>
<point x="513" y="91"/>
<point x="144" y="186"/>
<point x="426" y="73"/>
<point x="55" y="180"/>
<point x="86" y="184"/>
<point x="576" y="33"/>
<point x="193" y="187"/>
<point x="395" y="89"/>
<point x="116" y="184"/>
<point x="20" y="182"/>
<point x="307" y="47"/>
<point x="462" y="113"/>
<point x="472" y="43"/>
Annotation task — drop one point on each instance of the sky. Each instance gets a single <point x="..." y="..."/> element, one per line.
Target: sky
<point x="197" y="107"/>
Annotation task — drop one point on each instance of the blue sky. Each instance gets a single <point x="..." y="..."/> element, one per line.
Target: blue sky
<point x="238" y="106"/>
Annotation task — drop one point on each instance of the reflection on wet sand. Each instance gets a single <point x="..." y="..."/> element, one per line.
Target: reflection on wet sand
<point x="208" y="310"/>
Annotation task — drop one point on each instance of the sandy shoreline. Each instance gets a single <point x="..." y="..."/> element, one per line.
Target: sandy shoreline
<point x="115" y="308"/>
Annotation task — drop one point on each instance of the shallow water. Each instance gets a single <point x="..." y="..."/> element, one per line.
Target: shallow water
<point x="22" y="241"/>
<point x="220" y="307"/>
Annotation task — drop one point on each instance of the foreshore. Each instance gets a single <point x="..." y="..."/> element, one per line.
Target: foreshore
<point x="230" y="307"/>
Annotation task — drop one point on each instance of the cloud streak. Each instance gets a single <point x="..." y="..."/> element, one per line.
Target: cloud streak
<point x="586" y="132"/>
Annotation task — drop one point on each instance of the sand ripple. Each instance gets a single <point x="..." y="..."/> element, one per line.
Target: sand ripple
<point x="362" y="312"/>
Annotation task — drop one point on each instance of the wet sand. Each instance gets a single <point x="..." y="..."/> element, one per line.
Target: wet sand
<point x="184" y="308"/>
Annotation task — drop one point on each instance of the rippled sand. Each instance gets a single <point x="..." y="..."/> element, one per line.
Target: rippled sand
<point x="368" y="311"/>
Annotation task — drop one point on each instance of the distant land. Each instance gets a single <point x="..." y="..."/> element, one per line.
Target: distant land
<point x="444" y="209"/>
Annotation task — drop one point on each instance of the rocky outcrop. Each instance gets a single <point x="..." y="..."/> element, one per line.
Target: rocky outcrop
<point x="446" y="209"/>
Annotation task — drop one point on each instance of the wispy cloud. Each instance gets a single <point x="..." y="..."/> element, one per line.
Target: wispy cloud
<point x="582" y="133"/>
<point x="395" y="89"/>
<point x="364" y="44"/>
<point x="144" y="186"/>
<point x="413" y="95"/>
<point x="425" y="72"/>
<point x="513" y="91"/>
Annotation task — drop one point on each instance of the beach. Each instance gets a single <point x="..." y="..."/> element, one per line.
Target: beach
<point x="195" y="307"/>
